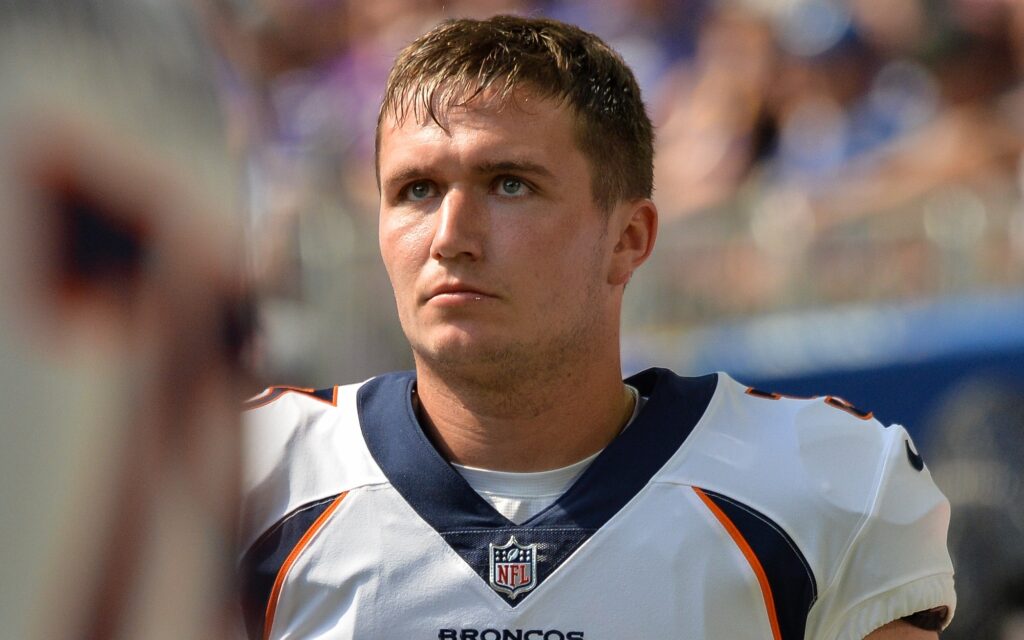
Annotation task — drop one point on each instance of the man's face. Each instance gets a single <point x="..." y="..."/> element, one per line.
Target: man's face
<point x="496" y="250"/>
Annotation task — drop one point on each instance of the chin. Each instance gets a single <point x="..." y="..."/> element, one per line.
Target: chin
<point x="462" y="351"/>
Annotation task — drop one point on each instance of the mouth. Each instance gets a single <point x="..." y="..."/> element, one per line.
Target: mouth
<point x="457" y="293"/>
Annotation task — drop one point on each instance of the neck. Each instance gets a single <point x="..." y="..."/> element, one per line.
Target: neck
<point x="524" y="423"/>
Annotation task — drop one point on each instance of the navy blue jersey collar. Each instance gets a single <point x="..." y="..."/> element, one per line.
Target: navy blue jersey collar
<point x="439" y="494"/>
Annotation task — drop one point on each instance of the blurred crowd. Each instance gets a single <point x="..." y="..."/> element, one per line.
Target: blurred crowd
<point x="810" y="152"/>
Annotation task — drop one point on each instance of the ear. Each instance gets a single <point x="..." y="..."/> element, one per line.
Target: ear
<point x="635" y="224"/>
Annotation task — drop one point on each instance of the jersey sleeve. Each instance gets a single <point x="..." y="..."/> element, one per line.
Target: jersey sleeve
<point x="283" y="431"/>
<point x="897" y="563"/>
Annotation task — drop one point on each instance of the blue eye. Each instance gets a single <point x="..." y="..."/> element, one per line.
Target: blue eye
<point x="509" y="186"/>
<point x="419" y="190"/>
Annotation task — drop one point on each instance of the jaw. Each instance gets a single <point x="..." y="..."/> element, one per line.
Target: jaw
<point x="466" y="349"/>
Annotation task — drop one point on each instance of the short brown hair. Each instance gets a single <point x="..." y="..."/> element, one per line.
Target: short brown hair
<point x="458" y="60"/>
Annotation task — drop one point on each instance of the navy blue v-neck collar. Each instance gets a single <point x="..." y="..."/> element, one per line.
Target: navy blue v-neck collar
<point x="440" y="495"/>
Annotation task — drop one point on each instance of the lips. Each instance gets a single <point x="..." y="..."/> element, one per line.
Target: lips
<point x="457" y="289"/>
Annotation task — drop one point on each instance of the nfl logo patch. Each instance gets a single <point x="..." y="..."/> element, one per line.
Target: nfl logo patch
<point x="513" y="567"/>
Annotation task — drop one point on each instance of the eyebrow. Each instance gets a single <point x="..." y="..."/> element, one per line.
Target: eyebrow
<point x="514" y="166"/>
<point x="405" y="175"/>
<point x="410" y="173"/>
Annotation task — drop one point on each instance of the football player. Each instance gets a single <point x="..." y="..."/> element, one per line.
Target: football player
<point x="513" y="486"/>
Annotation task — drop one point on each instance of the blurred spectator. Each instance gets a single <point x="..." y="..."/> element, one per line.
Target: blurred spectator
<point x="121" y="325"/>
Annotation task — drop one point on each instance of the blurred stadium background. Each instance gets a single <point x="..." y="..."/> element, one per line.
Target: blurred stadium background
<point x="841" y="184"/>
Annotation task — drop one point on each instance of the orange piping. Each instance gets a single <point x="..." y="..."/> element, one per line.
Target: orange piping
<point x="282" y="573"/>
<point x="267" y="396"/>
<point x="748" y="553"/>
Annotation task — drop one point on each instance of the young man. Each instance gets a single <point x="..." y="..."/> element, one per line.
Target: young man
<point x="513" y="486"/>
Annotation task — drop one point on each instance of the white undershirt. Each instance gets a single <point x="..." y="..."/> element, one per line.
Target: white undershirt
<point x="520" y="496"/>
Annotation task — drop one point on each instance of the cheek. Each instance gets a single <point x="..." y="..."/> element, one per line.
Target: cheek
<point x="402" y="248"/>
<point x="579" y="257"/>
<point x="566" y="275"/>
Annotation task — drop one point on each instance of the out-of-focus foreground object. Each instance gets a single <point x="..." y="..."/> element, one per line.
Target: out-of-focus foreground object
<point x="122" y="324"/>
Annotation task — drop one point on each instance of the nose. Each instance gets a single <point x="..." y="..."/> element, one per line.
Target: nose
<point x="459" y="233"/>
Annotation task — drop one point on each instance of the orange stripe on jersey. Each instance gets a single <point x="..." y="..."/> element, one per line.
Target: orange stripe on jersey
<point x="839" y="403"/>
<point x="270" y="394"/>
<point x="771" y="395"/>
<point x="282" y="574"/>
<point x="748" y="553"/>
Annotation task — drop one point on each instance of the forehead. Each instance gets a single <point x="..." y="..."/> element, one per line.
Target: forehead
<point x="541" y="129"/>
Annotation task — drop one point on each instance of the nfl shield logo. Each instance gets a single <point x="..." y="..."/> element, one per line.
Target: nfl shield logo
<point x="513" y="567"/>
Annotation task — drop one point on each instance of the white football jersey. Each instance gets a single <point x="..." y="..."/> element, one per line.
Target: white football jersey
<point x="722" y="513"/>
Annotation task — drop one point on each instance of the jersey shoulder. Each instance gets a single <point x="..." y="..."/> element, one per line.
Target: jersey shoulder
<point x="786" y="449"/>
<point x="300" y="447"/>
<point x="853" y="494"/>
